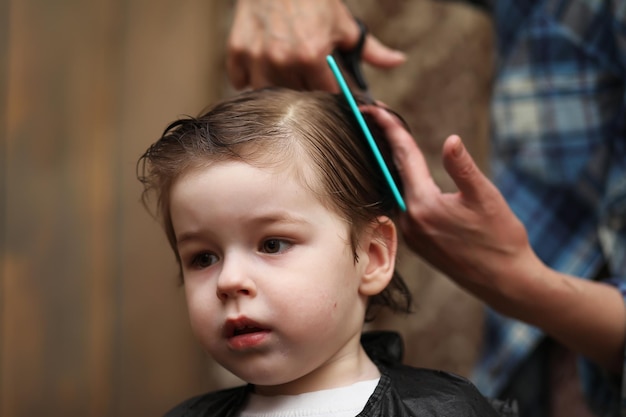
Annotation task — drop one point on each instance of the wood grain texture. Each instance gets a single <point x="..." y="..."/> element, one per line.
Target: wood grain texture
<point x="4" y="62"/>
<point x="92" y="322"/>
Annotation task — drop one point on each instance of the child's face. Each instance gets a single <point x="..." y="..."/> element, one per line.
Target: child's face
<point x="272" y="287"/>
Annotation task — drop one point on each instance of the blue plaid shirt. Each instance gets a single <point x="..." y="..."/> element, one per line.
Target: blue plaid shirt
<point x="559" y="158"/>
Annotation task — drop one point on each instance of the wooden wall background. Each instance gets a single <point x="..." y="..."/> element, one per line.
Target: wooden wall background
<point x="92" y="322"/>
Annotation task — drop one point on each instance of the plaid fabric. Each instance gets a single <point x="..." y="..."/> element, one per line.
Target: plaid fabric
<point x="559" y="158"/>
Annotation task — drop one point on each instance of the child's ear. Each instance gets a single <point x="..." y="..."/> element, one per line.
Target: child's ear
<point x="380" y="245"/>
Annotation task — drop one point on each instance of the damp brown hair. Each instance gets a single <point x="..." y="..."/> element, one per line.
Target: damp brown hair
<point x="313" y="133"/>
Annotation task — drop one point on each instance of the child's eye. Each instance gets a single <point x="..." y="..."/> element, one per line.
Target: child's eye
<point x="204" y="260"/>
<point x="275" y="246"/>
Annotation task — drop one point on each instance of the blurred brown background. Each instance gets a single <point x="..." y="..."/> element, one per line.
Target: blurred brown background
<point x="92" y="322"/>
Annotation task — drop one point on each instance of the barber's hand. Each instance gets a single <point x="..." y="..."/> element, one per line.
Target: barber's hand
<point x="470" y="235"/>
<point x="474" y="238"/>
<point x="285" y="43"/>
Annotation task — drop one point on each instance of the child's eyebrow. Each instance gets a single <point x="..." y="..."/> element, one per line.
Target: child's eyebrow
<point x="264" y="219"/>
<point x="280" y="217"/>
<point x="187" y="236"/>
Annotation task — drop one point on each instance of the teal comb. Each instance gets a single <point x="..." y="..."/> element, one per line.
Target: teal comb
<point x="368" y="135"/>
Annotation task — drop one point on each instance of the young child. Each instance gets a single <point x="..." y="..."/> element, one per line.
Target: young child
<point x="282" y="224"/>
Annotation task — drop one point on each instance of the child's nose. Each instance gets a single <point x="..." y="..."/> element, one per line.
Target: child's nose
<point x="235" y="279"/>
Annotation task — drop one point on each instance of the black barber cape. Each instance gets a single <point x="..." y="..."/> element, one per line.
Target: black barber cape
<point x="401" y="392"/>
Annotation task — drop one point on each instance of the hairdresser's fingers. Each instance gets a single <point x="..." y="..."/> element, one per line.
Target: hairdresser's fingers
<point x="237" y="71"/>
<point x="258" y="77"/>
<point x="320" y="77"/>
<point x="342" y="34"/>
<point x="298" y="76"/>
<point x="236" y="61"/>
<point x="473" y="185"/>
<point x="379" y="55"/>
<point x="302" y="68"/>
<point x="264" y="74"/>
<point x="285" y="42"/>
<point x="408" y="158"/>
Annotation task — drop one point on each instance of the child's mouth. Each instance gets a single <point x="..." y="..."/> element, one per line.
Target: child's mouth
<point x="243" y="333"/>
<point x="246" y="330"/>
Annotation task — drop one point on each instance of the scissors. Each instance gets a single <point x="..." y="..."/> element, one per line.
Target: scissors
<point x="350" y="60"/>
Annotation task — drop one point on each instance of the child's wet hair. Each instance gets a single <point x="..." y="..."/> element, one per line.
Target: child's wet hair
<point x="314" y="134"/>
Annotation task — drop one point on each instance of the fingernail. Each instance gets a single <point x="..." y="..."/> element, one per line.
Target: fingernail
<point x="458" y="147"/>
<point x="399" y="55"/>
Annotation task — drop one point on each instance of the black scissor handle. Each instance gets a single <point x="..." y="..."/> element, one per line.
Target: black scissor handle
<point x="350" y="59"/>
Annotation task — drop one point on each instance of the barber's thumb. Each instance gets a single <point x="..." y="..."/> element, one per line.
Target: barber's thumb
<point x="462" y="169"/>
<point x="379" y="55"/>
